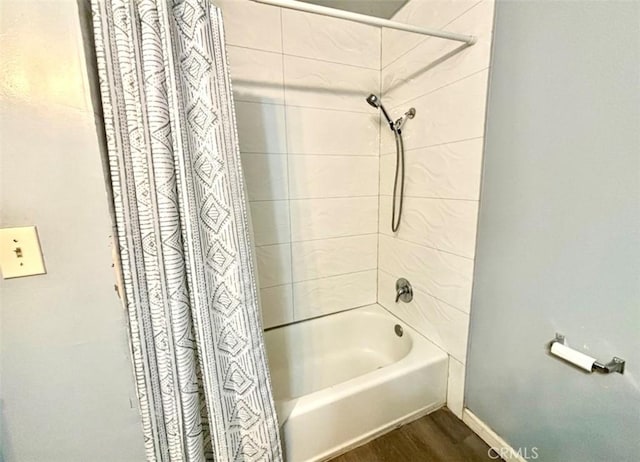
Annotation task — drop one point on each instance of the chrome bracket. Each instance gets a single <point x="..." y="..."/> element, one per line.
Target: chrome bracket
<point x="615" y="365"/>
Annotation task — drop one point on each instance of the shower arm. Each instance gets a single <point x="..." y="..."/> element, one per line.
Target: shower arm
<point x="370" y="20"/>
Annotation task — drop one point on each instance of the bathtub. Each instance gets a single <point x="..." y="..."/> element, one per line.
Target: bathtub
<point x="343" y="379"/>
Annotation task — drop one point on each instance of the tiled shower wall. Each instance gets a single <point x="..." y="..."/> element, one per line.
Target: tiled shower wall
<point x="310" y="153"/>
<point x="435" y="245"/>
<point x="312" y="149"/>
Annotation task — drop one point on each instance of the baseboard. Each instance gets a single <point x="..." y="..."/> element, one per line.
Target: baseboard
<point x="490" y="437"/>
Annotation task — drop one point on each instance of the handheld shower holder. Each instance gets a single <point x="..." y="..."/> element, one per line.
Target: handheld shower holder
<point x="410" y="114"/>
<point x="396" y="128"/>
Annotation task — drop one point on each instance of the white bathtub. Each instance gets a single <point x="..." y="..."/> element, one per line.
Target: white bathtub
<point x="346" y="378"/>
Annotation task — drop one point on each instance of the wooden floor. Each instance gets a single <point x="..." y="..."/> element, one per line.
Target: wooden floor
<point x="437" y="437"/>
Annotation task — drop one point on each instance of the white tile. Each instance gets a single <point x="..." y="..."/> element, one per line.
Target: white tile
<point x="444" y="325"/>
<point x="274" y="265"/>
<point x="331" y="39"/>
<point x="261" y="128"/>
<point x="326" y="131"/>
<point x="326" y="218"/>
<point x="448" y="171"/>
<point x="266" y="176"/>
<point x="256" y="75"/>
<point x="455" y="387"/>
<point x="328" y="295"/>
<point x="320" y="84"/>
<point x="452" y="113"/>
<point x="270" y="221"/>
<point x="332" y="176"/>
<point x="435" y="63"/>
<point x="252" y="25"/>
<point x="330" y="257"/>
<point x="277" y="305"/>
<point x="443" y="275"/>
<point x="430" y="14"/>
<point x="448" y="225"/>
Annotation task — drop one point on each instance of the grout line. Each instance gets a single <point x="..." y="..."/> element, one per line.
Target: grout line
<point x="453" y="82"/>
<point x="462" y="140"/>
<point x="244" y="47"/>
<point x="258" y="201"/>
<point x="368" y="196"/>
<point x="371" y="156"/>
<point x="420" y="244"/>
<point x="434" y="198"/>
<point x="362" y="271"/>
<point x="313" y="198"/>
<point x="286" y="144"/>
<point x="345" y="156"/>
<point x="368" y="270"/>
<point x="453" y="357"/>
<point x="239" y="99"/>
<point x="379" y="172"/>
<point x="333" y="198"/>
<point x="322" y="60"/>
<point x="427" y="38"/>
<point x="312" y="58"/>
<point x="331" y="237"/>
<point x="425" y="292"/>
<point x="314" y="240"/>
<point x="319" y="239"/>
<point x="425" y="246"/>
<point x="277" y="244"/>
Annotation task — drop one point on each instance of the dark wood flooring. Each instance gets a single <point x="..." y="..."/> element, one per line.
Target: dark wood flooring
<point x="437" y="437"/>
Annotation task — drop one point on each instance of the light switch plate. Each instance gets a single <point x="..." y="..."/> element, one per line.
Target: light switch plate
<point x="20" y="253"/>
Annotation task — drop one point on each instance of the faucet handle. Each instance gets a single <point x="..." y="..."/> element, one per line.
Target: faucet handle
<point x="404" y="291"/>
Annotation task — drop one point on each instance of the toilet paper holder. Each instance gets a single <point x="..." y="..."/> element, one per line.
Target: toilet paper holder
<point x="615" y="365"/>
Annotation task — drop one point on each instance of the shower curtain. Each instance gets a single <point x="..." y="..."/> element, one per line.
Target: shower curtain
<point x="184" y="240"/>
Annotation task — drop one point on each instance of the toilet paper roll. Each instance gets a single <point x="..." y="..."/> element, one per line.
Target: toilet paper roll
<point x="574" y="357"/>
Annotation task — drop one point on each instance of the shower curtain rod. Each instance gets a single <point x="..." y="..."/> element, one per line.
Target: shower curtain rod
<point x="365" y="19"/>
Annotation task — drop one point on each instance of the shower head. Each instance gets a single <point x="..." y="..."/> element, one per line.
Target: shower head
<point x="374" y="101"/>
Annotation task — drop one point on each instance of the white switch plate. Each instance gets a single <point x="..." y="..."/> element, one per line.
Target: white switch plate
<point x="20" y="253"/>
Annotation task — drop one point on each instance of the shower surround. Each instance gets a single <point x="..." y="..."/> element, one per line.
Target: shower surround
<point x="319" y="164"/>
<point x="435" y="245"/>
<point x="309" y="147"/>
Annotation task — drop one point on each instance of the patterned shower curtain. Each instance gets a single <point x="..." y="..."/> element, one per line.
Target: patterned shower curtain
<point x="184" y="239"/>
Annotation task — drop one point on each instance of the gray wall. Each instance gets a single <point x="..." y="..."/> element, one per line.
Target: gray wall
<point x="67" y="391"/>
<point x="558" y="244"/>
